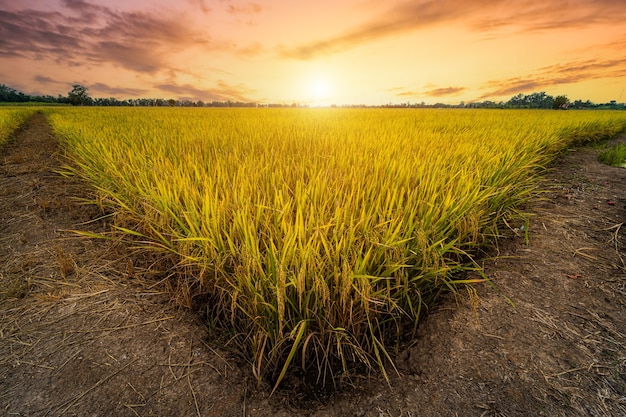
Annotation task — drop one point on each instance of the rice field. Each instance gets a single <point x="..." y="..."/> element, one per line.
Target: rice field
<point x="316" y="238"/>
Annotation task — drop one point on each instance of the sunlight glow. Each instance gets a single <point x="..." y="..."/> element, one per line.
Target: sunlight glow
<point x="320" y="91"/>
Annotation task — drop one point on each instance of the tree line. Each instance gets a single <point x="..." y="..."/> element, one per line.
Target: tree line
<point x="537" y="100"/>
<point x="79" y="96"/>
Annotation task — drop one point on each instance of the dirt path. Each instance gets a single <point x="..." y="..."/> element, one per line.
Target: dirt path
<point x="85" y="331"/>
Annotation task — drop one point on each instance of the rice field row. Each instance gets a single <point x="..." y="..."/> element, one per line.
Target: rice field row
<point x="317" y="237"/>
<point x="10" y="119"/>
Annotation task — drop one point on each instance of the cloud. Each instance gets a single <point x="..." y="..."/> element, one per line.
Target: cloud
<point x="117" y="91"/>
<point x="539" y="16"/>
<point x="223" y="92"/>
<point x="45" y="80"/>
<point x="129" y="56"/>
<point x="249" y="8"/>
<point x="252" y="49"/>
<point x="407" y="16"/>
<point x="478" y="15"/>
<point x="35" y="34"/>
<point x="442" y="92"/>
<point x="435" y="92"/>
<point x="409" y="94"/>
<point x="200" y="4"/>
<point x="572" y="72"/>
<point x="83" y="33"/>
<point x="97" y="87"/>
<point x="86" y="11"/>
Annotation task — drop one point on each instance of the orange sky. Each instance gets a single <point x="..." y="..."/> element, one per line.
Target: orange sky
<point x="316" y="51"/>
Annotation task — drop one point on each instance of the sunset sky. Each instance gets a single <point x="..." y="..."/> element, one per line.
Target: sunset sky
<point x="317" y="52"/>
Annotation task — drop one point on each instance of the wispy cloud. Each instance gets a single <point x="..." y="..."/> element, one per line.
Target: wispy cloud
<point x="129" y="56"/>
<point x="222" y="92"/>
<point x="86" y="11"/>
<point x="478" y="15"/>
<point x="435" y="92"/>
<point x="407" y="16"/>
<point x="443" y="92"/>
<point x="537" y="15"/>
<point x="97" y="88"/>
<point x="248" y="8"/>
<point x="409" y="94"/>
<point x="35" y="34"/>
<point x="200" y="4"/>
<point x="42" y="79"/>
<point x="572" y="72"/>
<point x="249" y="50"/>
<point x="84" y="33"/>
<point x="117" y="91"/>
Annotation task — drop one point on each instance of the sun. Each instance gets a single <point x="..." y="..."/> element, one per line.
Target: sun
<point x="319" y="88"/>
<point x="319" y="91"/>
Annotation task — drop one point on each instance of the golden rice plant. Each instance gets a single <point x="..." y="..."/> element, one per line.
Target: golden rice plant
<point x="317" y="236"/>
<point x="11" y="118"/>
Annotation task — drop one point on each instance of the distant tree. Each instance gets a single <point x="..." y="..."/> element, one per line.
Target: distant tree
<point x="539" y="100"/>
<point x="10" y="95"/>
<point x="560" y="102"/>
<point x="78" y="96"/>
<point x="517" y="101"/>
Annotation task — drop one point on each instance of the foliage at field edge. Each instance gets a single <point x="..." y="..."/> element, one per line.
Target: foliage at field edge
<point x="615" y="156"/>
<point x="317" y="237"/>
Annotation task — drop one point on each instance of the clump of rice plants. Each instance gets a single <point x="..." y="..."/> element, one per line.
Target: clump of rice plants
<point x="592" y="128"/>
<point x="318" y="236"/>
<point x="615" y="155"/>
<point x="11" y="118"/>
